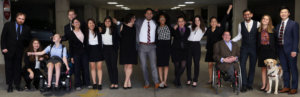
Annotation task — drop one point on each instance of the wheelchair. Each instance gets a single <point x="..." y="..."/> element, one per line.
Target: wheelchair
<point x="64" y="80"/>
<point x="219" y="76"/>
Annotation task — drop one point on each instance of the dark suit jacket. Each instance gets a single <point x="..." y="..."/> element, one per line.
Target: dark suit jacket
<point x="76" y="47"/>
<point x="98" y="34"/>
<point x="221" y="50"/>
<point x="178" y="38"/>
<point x="9" y="38"/>
<point x="115" y="36"/>
<point x="291" y="36"/>
<point x="67" y="29"/>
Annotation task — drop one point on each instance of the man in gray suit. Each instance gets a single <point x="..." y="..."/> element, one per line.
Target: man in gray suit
<point x="145" y="36"/>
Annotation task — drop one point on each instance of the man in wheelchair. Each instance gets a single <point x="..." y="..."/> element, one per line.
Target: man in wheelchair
<point x="58" y="57"/>
<point x="226" y="55"/>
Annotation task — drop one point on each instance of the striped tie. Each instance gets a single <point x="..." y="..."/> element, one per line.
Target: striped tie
<point x="281" y="34"/>
<point x="148" y="38"/>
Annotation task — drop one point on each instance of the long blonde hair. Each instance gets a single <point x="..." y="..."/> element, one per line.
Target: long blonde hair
<point x="270" y="25"/>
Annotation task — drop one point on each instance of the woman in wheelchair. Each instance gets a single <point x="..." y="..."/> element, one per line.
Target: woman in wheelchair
<point x="226" y="55"/>
<point x="31" y="70"/>
<point x="58" y="56"/>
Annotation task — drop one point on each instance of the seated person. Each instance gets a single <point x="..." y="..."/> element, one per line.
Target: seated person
<point x="31" y="70"/>
<point x="226" y="55"/>
<point x="58" y="54"/>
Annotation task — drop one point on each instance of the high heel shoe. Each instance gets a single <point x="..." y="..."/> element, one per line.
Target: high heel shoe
<point x="188" y="83"/>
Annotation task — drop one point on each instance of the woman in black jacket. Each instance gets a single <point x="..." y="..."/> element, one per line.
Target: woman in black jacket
<point x="110" y="40"/>
<point x="95" y="53"/>
<point x="79" y="57"/>
<point x="31" y="69"/>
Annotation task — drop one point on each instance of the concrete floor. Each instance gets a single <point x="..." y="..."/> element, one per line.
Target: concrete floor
<point x="203" y="90"/>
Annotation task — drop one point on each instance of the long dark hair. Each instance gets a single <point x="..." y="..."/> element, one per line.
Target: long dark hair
<point x="112" y="26"/>
<point x="30" y="49"/>
<point x="95" y="29"/>
<point x="202" y="25"/>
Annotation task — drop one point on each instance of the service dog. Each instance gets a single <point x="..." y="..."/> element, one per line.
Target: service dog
<point x="274" y="73"/>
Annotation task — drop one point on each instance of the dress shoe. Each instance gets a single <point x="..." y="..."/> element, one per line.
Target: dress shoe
<point x="146" y="86"/>
<point x="156" y="86"/>
<point x="99" y="87"/>
<point x="10" y="89"/>
<point x="293" y="91"/>
<point x="18" y="88"/>
<point x="244" y="89"/>
<point x="284" y="90"/>
<point x="249" y="88"/>
<point x="94" y="86"/>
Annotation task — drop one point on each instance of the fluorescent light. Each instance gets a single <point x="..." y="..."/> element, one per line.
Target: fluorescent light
<point x="181" y="5"/>
<point x="124" y="7"/>
<point x="189" y="2"/>
<point x="176" y="7"/>
<point x="112" y="2"/>
<point x="119" y="5"/>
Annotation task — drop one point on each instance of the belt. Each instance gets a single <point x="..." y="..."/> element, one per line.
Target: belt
<point x="147" y="43"/>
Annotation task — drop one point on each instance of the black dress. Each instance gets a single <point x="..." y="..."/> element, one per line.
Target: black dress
<point x="212" y="38"/>
<point x="266" y="51"/>
<point x="163" y="45"/>
<point x="128" y="51"/>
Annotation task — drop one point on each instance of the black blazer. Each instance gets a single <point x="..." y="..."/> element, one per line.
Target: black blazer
<point x="9" y="38"/>
<point x="115" y="36"/>
<point x="98" y="34"/>
<point x="76" y="47"/>
<point x="178" y="38"/>
<point x="67" y="29"/>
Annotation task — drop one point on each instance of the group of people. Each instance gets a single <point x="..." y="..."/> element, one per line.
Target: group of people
<point x="155" y="40"/>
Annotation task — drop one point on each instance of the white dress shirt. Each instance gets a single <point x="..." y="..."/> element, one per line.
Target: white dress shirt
<point x="285" y="22"/>
<point x="93" y="40"/>
<point x="107" y="37"/>
<point x="196" y="35"/>
<point x="143" y="37"/>
<point x="239" y="36"/>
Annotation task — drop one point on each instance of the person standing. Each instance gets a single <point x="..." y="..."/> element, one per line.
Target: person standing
<point x="214" y="34"/>
<point x="145" y="37"/>
<point x="79" y="57"/>
<point x="179" y="50"/>
<point x="128" y="51"/>
<point x="266" y="47"/>
<point x="163" y="38"/>
<point x="247" y="31"/>
<point x="110" y="39"/>
<point x="288" y="40"/>
<point x="15" y="36"/>
<point x="95" y="53"/>
<point x="198" y="30"/>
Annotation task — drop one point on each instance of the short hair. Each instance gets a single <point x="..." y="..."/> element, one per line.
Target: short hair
<point x="149" y="9"/>
<point x="20" y="13"/>
<point x="246" y="10"/>
<point x="284" y="7"/>
<point x="213" y="17"/>
<point x="71" y="10"/>
<point x="181" y="16"/>
<point x="128" y="18"/>
<point x="226" y="31"/>
<point x="166" y="17"/>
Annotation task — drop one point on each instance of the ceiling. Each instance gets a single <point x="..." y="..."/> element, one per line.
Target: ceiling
<point x="136" y="4"/>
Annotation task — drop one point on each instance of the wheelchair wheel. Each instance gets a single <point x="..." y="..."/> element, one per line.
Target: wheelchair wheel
<point x="215" y="80"/>
<point x="238" y="82"/>
<point x="68" y="83"/>
<point x="42" y="84"/>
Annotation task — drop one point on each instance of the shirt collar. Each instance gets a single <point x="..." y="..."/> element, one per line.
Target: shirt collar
<point x="251" y="21"/>
<point x="285" y="21"/>
<point x="227" y="42"/>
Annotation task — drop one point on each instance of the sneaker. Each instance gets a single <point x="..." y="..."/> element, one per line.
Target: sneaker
<point x="78" y="89"/>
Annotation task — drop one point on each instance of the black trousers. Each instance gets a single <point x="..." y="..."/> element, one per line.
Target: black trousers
<point x="36" y="78"/>
<point x="245" y="53"/>
<point x="110" y="56"/>
<point x="13" y="68"/>
<point x="194" y="54"/>
<point x="81" y="66"/>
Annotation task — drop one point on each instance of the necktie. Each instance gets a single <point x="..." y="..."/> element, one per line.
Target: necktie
<point x="281" y="34"/>
<point x="248" y="27"/>
<point x="148" y="38"/>
<point x="18" y="31"/>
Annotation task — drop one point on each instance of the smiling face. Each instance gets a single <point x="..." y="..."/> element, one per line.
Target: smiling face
<point x="91" y="25"/>
<point x="213" y="22"/>
<point x="107" y="23"/>
<point x="265" y="20"/>
<point x="36" y="44"/>
<point x="149" y="14"/>
<point x="181" y="22"/>
<point x="284" y="14"/>
<point x="56" y="38"/>
<point x="197" y="21"/>
<point x="71" y="15"/>
<point x="76" y="23"/>
<point x="226" y="36"/>
<point x="270" y="63"/>
<point x="162" y="20"/>
<point x="247" y="16"/>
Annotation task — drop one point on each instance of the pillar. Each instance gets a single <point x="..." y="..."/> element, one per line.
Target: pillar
<point x="89" y="12"/>
<point x="3" y="20"/>
<point x="61" y="11"/>
<point x="238" y="7"/>
<point x="212" y="10"/>
<point x="102" y="14"/>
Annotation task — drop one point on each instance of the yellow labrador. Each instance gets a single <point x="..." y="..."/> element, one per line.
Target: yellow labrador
<point x="274" y="73"/>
